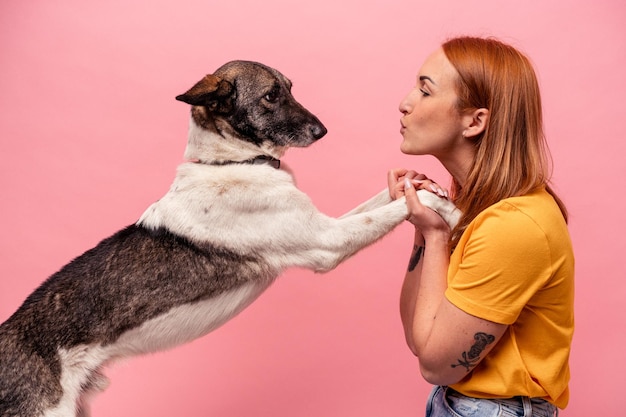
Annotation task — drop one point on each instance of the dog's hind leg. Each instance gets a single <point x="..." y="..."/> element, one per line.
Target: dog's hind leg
<point x="83" y="409"/>
<point x="97" y="383"/>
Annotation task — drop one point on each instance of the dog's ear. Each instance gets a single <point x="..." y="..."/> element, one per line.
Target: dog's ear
<point x="211" y="92"/>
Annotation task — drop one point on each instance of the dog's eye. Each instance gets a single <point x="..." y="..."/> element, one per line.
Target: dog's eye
<point x="271" y="97"/>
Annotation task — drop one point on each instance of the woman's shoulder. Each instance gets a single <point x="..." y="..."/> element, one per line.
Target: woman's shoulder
<point x="538" y="205"/>
<point x="536" y="214"/>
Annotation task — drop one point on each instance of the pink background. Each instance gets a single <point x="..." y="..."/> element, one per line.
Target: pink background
<point x="90" y="135"/>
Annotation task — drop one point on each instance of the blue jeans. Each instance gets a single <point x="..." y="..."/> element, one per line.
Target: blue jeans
<point x="445" y="402"/>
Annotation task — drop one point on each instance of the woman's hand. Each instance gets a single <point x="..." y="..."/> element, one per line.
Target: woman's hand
<point x="404" y="182"/>
<point x="395" y="178"/>
<point x="422" y="217"/>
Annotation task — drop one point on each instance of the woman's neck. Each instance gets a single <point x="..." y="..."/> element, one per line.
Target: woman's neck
<point x="458" y="167"/>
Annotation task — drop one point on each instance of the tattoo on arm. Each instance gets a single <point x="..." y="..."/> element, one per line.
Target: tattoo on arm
<point x="471" y="358"/>
<point x="415" y="258"/>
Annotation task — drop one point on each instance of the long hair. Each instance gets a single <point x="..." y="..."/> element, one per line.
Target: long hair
<point x="512" y="157"/>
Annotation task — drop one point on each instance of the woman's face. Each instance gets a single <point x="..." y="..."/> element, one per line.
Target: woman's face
<point x="431" y="124"/>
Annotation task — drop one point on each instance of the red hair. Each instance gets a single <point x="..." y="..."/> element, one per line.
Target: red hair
<point x="512" y="157"/>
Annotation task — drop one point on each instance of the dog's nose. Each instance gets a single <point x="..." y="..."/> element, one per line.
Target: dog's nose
<point x="318" y="131"/>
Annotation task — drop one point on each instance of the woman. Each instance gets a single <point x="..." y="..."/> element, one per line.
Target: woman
<point x="492" y="323"/>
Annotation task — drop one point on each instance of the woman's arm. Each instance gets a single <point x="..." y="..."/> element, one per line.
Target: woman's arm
<point x="448" y="341"/>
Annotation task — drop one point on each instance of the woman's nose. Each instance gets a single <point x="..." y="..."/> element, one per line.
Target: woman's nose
<point x="405" y="105"/>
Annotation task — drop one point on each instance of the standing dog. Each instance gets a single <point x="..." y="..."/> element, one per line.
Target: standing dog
<point x="230" y="223"/>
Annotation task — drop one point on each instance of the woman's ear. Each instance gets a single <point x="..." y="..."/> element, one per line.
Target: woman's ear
<point x="475" y="122"/>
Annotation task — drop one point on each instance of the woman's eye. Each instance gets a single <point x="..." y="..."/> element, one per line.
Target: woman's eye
<point x="424" y="92"/>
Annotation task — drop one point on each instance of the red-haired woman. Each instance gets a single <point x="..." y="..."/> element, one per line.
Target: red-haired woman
<point x="487" y="307"/>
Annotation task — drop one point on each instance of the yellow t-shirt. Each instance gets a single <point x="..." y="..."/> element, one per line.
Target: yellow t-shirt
<point x="514" y="265"/>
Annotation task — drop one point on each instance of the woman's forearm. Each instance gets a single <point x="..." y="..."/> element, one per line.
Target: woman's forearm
<point x="408" y="294"/>
<point x="423" y="288"/>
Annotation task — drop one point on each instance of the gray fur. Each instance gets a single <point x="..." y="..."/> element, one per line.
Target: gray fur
<point x="197" y="257"/>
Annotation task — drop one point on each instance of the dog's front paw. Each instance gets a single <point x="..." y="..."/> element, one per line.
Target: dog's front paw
<point x="442" y="206"/>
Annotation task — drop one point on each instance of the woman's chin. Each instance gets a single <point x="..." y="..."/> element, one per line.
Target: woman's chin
<point x="405" y="148"/>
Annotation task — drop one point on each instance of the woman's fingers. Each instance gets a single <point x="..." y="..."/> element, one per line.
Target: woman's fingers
<point x="396" y="182"/>
<point x="419" y="215"/>
<point x="393" y="177"/>
<point x="430" y="185"/>
<point x="396" y="176"/>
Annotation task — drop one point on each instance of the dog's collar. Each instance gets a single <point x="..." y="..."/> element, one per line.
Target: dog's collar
<point x="259" y="160"/>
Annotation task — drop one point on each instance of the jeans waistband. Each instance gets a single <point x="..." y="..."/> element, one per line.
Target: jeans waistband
<point x="515" y="406"/>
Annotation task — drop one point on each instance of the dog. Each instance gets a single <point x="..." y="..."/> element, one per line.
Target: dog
<point x="230" y="223"/>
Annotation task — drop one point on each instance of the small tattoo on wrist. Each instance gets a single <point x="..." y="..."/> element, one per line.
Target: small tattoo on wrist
<point x="415" y="258"/>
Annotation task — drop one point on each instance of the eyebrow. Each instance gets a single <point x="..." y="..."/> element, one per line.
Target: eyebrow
<point x="426" y="77"/>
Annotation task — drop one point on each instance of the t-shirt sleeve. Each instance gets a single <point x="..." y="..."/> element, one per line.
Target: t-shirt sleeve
<point x="505" y="260"/>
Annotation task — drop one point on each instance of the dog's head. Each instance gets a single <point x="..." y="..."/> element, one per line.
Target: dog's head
<point x="254" y="103"/>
